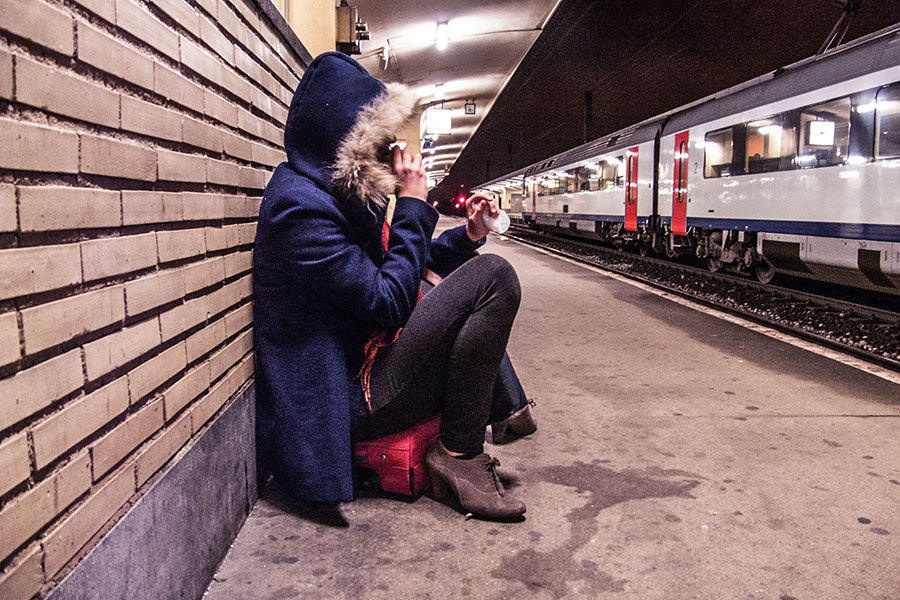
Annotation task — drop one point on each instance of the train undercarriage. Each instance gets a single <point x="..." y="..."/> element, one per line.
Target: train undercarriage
<point x="722" y="250"/>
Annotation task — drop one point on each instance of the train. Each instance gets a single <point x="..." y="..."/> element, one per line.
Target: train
<point x="796" y="172"/>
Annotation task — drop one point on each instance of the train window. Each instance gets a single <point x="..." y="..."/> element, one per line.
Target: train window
<point x="887" y="122"/>
<point x="612" y="173"/>
<point x="718" y="149"/>
<point x="567" y="183"/>
<point x="553" y="184"/>
<point x="620" y="171"/>
<point x="584" y="178"/>
<point x="770" y="145"/>
<point x="824" y="134"/>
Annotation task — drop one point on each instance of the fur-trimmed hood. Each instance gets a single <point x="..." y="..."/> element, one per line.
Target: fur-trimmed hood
<point x="339" y="121"/>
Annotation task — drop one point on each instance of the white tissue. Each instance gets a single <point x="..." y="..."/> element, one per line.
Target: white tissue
<point x="498" y="224"/>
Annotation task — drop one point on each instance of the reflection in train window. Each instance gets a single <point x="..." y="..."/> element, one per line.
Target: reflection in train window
<point x="770" y="145"/>
<point x="887" y="122"/>
<point x="824" y="134"/>
<point x="584" y="178"/>
<point x="718" y="149"/>
<point x="554" y="184"/>
<point x="605" y="174"/>
<point x="611" y="173"/>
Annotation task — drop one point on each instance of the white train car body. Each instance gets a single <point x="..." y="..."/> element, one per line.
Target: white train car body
<point x="797" y="171"/>
<point x="813" y="186"/>
<point x="602" y="190"/>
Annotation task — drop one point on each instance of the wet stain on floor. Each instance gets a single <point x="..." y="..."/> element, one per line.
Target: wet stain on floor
<point x="554" y="571"/>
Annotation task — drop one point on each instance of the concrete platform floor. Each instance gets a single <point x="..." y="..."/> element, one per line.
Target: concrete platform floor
<point x="677" y="456"/>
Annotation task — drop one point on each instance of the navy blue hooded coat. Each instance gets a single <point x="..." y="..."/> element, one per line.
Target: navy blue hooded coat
<point x="321" y="285"/>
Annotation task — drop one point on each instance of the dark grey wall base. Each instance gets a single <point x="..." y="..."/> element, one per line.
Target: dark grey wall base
<point x="169" y="545"/>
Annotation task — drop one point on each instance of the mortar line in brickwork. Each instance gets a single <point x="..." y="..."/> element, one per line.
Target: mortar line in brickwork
<point x="262" y="38"/>
<point x="137" y="44"/>
<point x="84" y="371"/>
<point x="15" y="71"/>
<point x="81" y="263"/>
<point x="121" y="210"/>
<point x="182" y="31"/>
<point x="75" y="29"/>
<point x="17" y="365"/>
<point x="17" y="194"/>
<point x="32" y="460"/>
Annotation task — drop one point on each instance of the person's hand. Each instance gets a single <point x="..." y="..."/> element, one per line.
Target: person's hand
<point x="411" y="180"/>
<point x="477" y="206"/>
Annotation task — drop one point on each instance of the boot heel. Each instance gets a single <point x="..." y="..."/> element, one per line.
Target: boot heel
<point x="438" y="488"/>
<point x="498" y="432"/>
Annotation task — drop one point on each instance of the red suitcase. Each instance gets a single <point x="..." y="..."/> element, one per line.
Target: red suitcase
<point x="399" y="458"/>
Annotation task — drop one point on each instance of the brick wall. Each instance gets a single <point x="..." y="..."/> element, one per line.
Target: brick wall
<point x="136" y="137"/>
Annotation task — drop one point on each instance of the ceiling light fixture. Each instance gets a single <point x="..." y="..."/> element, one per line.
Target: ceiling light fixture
<point x="442" y="37"/>
<point x="437" y="121"/>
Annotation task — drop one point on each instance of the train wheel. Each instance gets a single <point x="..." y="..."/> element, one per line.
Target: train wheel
<point x="764" y="271"/>
<point x="644" y="249"/>
<point x="713" y="264"/>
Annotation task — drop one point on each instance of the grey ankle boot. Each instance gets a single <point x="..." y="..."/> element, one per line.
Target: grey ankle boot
<point x="474" y="482"/>
<point x="519" y="424"/>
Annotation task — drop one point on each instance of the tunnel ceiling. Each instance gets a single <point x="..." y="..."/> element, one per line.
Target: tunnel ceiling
<point x="487" y="39"/>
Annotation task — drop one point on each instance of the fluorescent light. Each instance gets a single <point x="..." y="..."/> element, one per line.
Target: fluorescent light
<point x="881" y="105"/>
<point x="821" y="133"/>
<point x="424" y="34"/>
<point x="442" y="37"/>
<point x="437" y="121"/>
<point x="769" y="129"/>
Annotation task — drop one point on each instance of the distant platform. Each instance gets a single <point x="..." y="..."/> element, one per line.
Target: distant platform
<point x="678" y="455"/>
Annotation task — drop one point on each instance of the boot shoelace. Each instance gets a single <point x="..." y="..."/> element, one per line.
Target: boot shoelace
<point x="490" y="466"/>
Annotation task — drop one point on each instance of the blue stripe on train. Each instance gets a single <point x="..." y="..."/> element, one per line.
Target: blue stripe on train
<point x="585" y="217"/>
<point x="855" y="231"/>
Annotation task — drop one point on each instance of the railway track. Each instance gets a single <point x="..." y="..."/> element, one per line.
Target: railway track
<point x="869" y="330"/>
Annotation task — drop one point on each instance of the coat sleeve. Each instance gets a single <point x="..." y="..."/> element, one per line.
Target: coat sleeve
<point x="315" y="248"/>
<point x="451" y="249"/>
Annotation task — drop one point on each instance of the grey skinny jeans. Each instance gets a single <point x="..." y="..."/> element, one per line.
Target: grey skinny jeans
<point x="447" y="357"/>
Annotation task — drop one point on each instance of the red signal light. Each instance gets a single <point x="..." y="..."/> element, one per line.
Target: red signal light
<point x="461" y="199"/>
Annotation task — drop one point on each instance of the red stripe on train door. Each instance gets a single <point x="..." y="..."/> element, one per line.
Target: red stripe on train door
<point x="680" y="185"/>
<point x="631" y="188"/>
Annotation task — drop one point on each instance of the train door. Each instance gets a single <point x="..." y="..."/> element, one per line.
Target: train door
<point x="631" y="188"/>
<point x="680" y="185"/>
<point x="534" y="201"/>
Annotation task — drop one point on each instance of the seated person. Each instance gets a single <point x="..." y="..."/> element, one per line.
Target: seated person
<point x="345" y="350"/>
